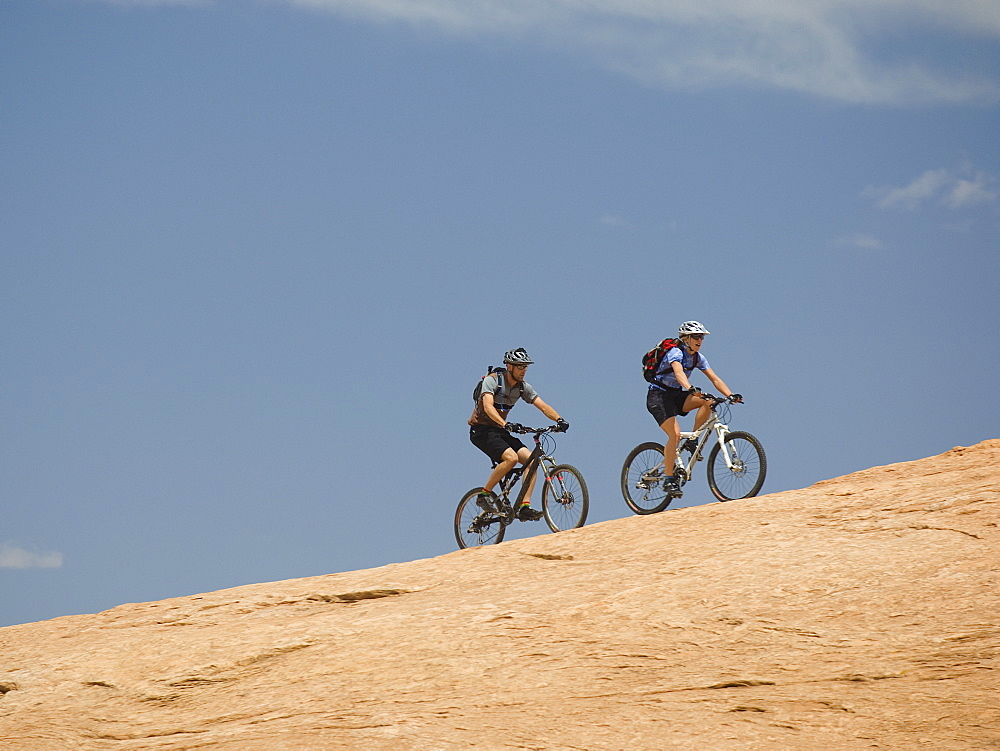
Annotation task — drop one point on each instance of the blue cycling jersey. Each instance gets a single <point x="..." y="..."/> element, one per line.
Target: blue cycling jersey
<point x="665" y="374"/>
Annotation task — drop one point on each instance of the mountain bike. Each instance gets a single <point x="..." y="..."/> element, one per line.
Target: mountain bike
<point x="565" y="501"/>
<point x="736" y="465"/>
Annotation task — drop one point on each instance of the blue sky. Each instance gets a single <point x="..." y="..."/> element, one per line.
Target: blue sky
<point x="255" y="255"/>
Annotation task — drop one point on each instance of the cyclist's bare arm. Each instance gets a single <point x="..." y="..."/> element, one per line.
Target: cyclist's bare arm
<point x="680" y="375"/>
<point x="545" y="409"/>
<point x="682" y="379"/>
<point x="719" y="384"/>
<point x="491" y="411"/>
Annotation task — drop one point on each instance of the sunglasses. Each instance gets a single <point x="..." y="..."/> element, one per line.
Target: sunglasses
<point x="699" y="337"/>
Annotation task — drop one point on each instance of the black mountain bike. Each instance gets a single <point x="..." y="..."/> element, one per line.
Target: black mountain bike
<point x="564" y="497"/>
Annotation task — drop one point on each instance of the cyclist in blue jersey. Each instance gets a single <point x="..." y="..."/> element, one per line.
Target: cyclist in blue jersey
<point x="672" y="395"/>
<point x="488" y="431"/>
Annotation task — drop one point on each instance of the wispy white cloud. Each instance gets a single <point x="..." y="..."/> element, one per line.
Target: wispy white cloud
<point x="914" y="193"/>
<point x="861" y="242"/>
<point x="614" y="220"/>
<point x="955" y="190"/>
<point x="829" y="48"/>
<point x="12" y="556"/>
<point x="970" y="192"/>
<point x="153" y="3"/>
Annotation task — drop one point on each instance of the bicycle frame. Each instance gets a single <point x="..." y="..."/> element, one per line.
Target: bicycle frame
<point x="736" y="464"/>
<point x="482" y="520"/>
<point x="526" y="472"/>
<point x="713" y="426"/>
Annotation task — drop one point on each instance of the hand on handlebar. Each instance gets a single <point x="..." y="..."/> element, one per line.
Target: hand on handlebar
<point x="561" y="426"/>
<point x="735" y="398"/>
<point x="515" y="427"/>
<point x="710" y="398"/>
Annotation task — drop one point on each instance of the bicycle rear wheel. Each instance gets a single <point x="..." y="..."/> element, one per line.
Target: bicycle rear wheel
<point x="642" y="479"/>
<point x="565" y="500"/>
<point x="473" y="526"/>
<point x="746" y="477"/>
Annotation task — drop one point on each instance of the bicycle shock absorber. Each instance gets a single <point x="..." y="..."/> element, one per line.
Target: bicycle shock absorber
<point x="510" y="478"/>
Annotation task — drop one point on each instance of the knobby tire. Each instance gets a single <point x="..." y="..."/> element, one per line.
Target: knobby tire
<point x="565" y="501"/>
<point x="747" y="480"/>
<point x="640" y="461"/>
<point x="466" y="513"/>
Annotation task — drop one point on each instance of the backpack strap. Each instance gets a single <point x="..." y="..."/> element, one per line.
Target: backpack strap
<point x="498" y="372"/>
<point x="683" y="349"/>
<point x="659" y="369"/>
<point x="501" y="384"/>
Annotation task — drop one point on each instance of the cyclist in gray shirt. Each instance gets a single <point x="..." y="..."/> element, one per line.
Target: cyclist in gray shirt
<point x="500" y="392"/>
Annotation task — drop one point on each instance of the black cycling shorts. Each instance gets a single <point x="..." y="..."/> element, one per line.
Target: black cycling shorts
<point x="663" y="404"/>
<point x="493" y="441"/>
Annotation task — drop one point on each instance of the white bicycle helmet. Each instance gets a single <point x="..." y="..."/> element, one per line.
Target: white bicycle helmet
<point x="517" y="357"/>
<point x="691" y="327"/>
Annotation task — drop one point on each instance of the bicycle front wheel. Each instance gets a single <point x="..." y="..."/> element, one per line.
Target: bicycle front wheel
<point x="745" y="478"/>
<point x="642" y="479"/>
<point x="565" y="500"/>
<point x="473" y="526"/>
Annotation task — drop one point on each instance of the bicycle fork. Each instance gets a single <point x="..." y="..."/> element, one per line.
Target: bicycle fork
<point x="555" y="481"/>
<point x="729" y="453"/>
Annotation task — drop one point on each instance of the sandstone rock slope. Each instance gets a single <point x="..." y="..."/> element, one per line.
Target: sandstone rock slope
<point x="860" y="613"/>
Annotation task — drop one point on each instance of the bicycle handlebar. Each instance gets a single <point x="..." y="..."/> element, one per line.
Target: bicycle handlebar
<point x="717" y="400"/>
<point x="518" y="428"/>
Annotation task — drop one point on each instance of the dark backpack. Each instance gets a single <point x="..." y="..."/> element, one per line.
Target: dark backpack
<point x="652" y="359"/>
<point x="478" y="391"/>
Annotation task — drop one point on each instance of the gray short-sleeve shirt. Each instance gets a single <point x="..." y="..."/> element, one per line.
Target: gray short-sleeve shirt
<point x="504" y="397"/>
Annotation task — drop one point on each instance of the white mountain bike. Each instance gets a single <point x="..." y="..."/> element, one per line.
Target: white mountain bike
<point x="736" y="465"/>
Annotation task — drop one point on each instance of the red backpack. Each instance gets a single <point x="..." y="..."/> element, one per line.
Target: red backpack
<point x="652" y="359"/>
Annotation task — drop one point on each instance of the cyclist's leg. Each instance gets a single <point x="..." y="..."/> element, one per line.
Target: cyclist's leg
<point x="524" y="511"/>
<point x="523" y="455"/>
<point x="665" y="406"/>
<point x="702" y="405"/>
<point x="701" y="417"/>
<point x="508" y="460"/>
<point x="672" y="428"/>
<point x="500" y="446"/>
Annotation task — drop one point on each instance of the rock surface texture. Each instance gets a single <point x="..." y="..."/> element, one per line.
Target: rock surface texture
<point x="860" y="613"/>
